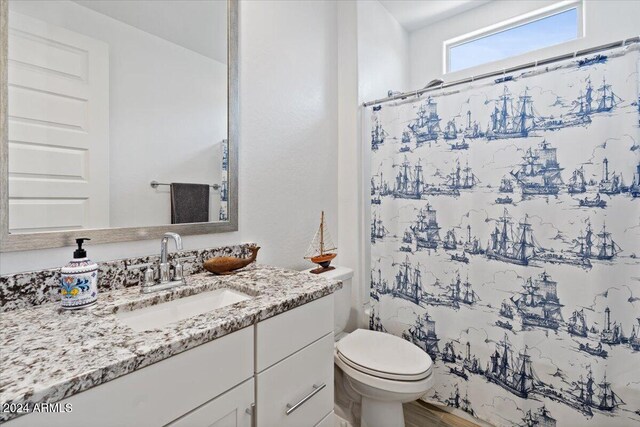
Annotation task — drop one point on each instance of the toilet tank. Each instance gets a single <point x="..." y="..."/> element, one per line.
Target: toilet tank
<point x="341" y="298"/>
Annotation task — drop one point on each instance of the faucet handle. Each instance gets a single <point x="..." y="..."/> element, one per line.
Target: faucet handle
<point x="149" y="279"/>
<point x="149" y="276"/>
<point x="178" y="273"/>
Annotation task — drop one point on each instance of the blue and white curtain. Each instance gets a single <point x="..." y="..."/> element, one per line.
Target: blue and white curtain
<point x="505" y="240"/>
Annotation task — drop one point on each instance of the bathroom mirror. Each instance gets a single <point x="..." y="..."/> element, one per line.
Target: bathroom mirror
<point x="118" y="120"/>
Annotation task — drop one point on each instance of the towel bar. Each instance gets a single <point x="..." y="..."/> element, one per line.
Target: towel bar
<point x="155" y="184"/>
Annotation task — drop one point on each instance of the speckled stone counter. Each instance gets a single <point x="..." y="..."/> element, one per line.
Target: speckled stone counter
<point x="47" y="354"/>
<point x="32" y="288"/>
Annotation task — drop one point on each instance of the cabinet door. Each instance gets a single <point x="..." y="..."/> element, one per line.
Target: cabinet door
<point x="297" y="392"/>
<point x="232" y="409"/>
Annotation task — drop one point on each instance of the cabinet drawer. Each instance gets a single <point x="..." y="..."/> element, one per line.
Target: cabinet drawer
<point x="159" y="393"/>
<point x="286" y="333"/>
<point x="292" y="382"/>
<point x="228" y="410"/>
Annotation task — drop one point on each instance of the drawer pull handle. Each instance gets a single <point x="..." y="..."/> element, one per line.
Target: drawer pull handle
<point x="316" y="390"/>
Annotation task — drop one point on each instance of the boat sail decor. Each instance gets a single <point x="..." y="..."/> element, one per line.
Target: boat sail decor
<point x="505" y="239"/>
<point x="322" y="250"/>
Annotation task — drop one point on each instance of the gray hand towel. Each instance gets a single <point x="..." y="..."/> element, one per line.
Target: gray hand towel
<point x="189" y="203"/>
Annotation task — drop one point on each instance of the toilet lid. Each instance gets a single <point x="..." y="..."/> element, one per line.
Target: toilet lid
<point x="384" y="355"/>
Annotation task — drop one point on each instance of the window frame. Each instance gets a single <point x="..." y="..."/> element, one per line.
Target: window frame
<point x="512" y="23"/>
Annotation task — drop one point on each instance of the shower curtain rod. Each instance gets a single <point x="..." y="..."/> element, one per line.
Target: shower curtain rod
<point x="620" y="43"/>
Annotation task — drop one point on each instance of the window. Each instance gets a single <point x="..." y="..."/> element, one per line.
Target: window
<point x="531" y="33"/>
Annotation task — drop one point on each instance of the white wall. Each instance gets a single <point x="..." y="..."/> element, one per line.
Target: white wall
<point x="374" y="57"/>
<point x="383" y="52"/>
<point x="350" y="244"/>
<point x="167" y="107"/>
<point x="288" y="142"/>
<point x="605" y="22"/>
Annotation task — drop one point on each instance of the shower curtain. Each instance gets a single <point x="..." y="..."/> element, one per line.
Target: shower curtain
<point x="505" y="236"/>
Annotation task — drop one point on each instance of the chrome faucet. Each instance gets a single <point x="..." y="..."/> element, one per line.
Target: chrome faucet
<point x="166" y="281"/>
<point x="165" y="267"/>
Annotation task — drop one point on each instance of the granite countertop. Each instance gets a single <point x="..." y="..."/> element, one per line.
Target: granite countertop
<point x="48" y="354"/>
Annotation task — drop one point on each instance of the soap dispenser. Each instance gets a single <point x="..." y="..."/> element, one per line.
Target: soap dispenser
<point x="79" y="280"/>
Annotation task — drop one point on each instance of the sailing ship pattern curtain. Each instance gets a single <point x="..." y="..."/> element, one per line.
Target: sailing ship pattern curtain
<point x="505" y="235"/>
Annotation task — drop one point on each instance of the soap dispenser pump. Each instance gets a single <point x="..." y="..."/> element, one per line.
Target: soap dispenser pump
<point x="79" y="280"/>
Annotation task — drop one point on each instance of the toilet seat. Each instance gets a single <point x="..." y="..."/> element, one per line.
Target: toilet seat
<point x="383" y="375"/>
<point x="384" y="356"/>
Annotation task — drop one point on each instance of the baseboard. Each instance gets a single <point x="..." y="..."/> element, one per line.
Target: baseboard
<point x="455" y="411"/>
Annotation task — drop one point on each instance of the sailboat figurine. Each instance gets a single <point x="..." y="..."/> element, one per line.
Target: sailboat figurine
<point x="321" y="249"/>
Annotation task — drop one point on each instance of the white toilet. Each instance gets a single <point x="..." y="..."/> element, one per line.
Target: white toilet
<point x="377" y="371"/>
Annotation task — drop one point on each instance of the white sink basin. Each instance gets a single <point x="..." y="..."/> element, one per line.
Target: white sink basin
<point x="160" y="315"/>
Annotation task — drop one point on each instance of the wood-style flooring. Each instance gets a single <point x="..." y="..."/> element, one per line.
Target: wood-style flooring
<point x="422" y="414"/>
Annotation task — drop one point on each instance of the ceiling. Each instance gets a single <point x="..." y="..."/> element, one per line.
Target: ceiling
<point x="416" y="14"/>
<point x="200" y="26"/>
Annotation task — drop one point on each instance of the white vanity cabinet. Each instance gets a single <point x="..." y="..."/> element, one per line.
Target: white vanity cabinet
<point x="294" y="367"/>
<point x="277" y="373"/>
<point x="235" y="408"/>
<point x="165" y="391"/>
